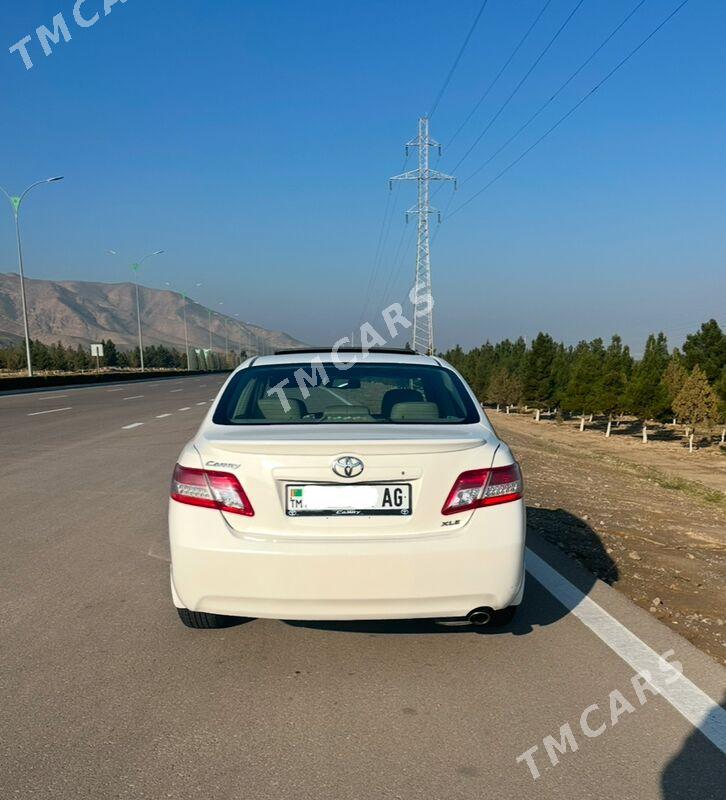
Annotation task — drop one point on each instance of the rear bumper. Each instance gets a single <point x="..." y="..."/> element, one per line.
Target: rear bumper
<point x="219" y="571"/>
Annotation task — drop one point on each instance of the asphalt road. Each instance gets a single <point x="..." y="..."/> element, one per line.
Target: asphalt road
<point x="104" y="694"/>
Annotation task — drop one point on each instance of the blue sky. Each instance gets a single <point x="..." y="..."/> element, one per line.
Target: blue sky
<point x="253" y="141"/>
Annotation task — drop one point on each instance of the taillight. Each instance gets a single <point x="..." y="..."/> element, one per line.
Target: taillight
<point x="203" y="487"/>
<point x="484" y="487"/>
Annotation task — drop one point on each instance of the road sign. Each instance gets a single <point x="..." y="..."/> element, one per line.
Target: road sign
<point x="97" y="350"/>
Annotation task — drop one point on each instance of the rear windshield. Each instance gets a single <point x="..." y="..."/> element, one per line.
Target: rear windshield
<point x="310" y="394"/>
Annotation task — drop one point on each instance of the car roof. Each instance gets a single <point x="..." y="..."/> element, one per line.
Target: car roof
<point x="373" y="357"/>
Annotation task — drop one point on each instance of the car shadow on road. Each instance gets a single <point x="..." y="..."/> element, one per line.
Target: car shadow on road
<point x="569" y="533"/>
<point x="698" y="770"/>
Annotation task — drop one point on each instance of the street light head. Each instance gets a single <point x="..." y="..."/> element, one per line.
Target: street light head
<point x="57" y="178"/>
<point x="112" y="252"/>
<point x="157" y="252"/>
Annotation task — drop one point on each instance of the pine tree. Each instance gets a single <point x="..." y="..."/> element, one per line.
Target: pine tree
<point x="647" y="395"/>
<point x="538" y="376"/>
<point x="581" y="393"/>
<point x="697" y="402"/>
<point x="58" y="357"/>
<point x="561" y="369"/>
<point x="720" y="386"/>
<point x="616" y="366"/>
<point x="504" y="387"/>
<point x="707" y="348"/>
<point x="675" y="376"/>
<point x="110" y="353"/>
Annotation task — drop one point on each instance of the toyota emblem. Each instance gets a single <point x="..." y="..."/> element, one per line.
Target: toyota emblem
<point x="348" y="467"/>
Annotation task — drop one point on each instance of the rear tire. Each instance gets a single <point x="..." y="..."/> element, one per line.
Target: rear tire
<point x="502" y="617"/>
<point x="200" y="619"/>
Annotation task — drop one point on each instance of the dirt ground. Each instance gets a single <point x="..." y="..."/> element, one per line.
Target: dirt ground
<point x="649" y="519"/>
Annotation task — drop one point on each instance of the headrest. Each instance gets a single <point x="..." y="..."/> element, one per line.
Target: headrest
<point x="393" y="396"/>
<point x="272" y="408"/>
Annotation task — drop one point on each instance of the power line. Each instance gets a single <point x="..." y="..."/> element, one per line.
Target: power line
<point x="398" y="263"/>
<point x="383" y="235"/>
<point x="563" y="86"/>
<point x="372" y="275"/>
<point x="457" y="59"/>
<point x="569" y="113"/>
<point x="386" y="221"/>
<point x="499" y="74"/>
<point x="542" y="54"/>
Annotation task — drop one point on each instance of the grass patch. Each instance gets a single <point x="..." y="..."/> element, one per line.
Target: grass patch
<point x="694" y="489"/>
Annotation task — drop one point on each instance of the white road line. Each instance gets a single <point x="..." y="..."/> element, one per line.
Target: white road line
<point x="132" y="425"/>
<point x="50" y="411"/>
<point x="186" y="408"/>
<point x="203" y="403"/>
<point x="117" y="389"/>
<point x="692" y="703"/>
<point x="161" y="416"/>
<point x="52" y="396"/>
<point x="175" y="390"/>
<point x="134" y="397"/>
<point x="340" y="397"/>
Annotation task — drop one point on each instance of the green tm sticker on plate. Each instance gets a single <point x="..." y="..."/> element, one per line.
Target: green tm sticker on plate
<point x="297" y="492"/>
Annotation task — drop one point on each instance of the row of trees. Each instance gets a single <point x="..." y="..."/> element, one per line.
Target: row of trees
<point x="60" y="358"/>
<point x="592" y="377"/>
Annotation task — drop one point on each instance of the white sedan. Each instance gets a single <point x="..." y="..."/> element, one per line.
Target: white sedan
<point x="346" y="486"/>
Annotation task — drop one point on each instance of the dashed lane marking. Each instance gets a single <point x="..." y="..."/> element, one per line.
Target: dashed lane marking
<point x="176" y="390"/>
<point x="49" y="411"/>
<point x="134" y="397"/>
<point x="132" y="425"/>
<point x="161" y="416"/>
<point x="186" y="408"/>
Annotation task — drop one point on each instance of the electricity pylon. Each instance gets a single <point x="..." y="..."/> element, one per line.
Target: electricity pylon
<point x="423" y="323"/>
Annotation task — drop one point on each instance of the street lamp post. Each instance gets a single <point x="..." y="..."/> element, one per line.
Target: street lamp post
<point x="226" y="341"/>
<point x="135" y="267"/>
<point x="239" y="330"/>
<point x="15" y="203"/>
<point x="186" y="333"/>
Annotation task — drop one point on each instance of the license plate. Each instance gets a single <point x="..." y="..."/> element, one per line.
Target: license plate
<point x="333" y="500"/>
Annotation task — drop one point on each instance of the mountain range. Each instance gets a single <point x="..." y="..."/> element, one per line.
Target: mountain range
<point x="82" y="312"/>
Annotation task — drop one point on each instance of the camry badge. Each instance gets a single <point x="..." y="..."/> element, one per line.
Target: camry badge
<point x="348" y="467"/>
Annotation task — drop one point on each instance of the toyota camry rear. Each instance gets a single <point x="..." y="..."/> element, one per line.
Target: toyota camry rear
<point x="319" y="488"/>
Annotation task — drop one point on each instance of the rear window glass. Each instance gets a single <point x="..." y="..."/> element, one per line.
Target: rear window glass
<point x="323" y="393"/>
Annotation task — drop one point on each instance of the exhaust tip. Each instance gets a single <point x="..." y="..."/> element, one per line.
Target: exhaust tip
<point x="479" y="616"/>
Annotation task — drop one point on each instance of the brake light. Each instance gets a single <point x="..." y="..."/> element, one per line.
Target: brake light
<point x="484" y="487"/>
<point x="203" y="487"/>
